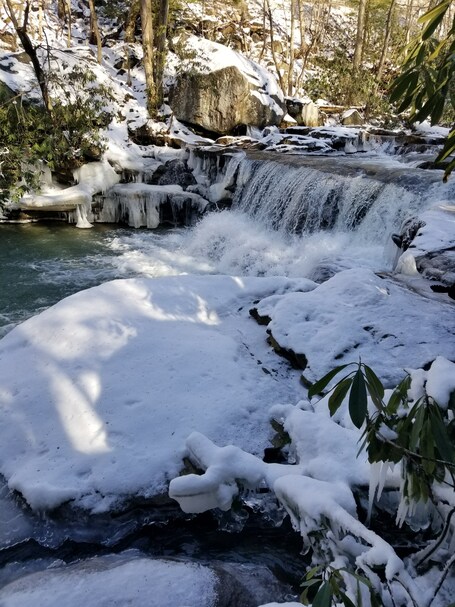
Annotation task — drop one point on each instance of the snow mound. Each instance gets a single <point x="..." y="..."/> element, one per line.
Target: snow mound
<point x="99" y="392"/>
<point x="356" y="315"/>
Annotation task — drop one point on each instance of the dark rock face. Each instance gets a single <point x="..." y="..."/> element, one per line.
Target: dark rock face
<point x="306" y="114"/>
<point x="438" y="265"/>
<point x="177" y="173"/>
<point x="221" y="101"/>
<point x="408" y="232"/>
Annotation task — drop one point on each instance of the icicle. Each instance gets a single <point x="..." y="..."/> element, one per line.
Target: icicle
<point x="81" y="217"/>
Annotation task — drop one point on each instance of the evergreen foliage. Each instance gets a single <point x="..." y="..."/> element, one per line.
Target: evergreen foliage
<point x="61" y="140"/>
<point x="425" y="88"/>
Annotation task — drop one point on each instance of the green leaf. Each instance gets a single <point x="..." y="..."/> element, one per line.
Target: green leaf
<point x="323" y="597"/>
<point x="346" y="600"/>
<point x="358" y="402"/>
<point x="417" y="424"/>
<point x="427" y="448"/>
<point x="402" y="84"/>
<point x="448" y="148"/>
<point x="375" y="387"/>
<point x="318" y="386"/>
<point x="435" y="12"/>
<point x="432" y="26"/>
<point x="441" y="437"/>
<point x="451" y="403"/>
<point x="312" y="572"/>
<point x="339" y="394"/>
<point x="399" y="396"/>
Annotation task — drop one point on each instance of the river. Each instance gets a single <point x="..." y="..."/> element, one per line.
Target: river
<point x="42" y="263"/>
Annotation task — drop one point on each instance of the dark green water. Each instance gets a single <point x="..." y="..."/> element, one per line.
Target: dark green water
<point x="41" y="264"/>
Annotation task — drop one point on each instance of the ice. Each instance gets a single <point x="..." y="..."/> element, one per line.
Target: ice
<point x="125" y="579"/>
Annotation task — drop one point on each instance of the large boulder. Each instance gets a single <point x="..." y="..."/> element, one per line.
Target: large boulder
<point x="222" y="91"/>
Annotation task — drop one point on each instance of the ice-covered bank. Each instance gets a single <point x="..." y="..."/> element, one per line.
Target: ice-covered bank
<point x="99" y="393"/>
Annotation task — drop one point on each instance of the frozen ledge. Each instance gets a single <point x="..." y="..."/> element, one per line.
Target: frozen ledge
<point x="92" y="178"/>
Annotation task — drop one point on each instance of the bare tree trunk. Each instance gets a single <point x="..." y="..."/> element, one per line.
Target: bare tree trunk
<point x="291" y="49"/>
<point x="40" y="19"/>
<point x="147" y="45"/>
<point x="160" y="60"/>
<point x="61" y="9"/>
<point x="21" y="31"/>
<point x="69" y="22"/>
<point x="361" y="18"/>
<point x="272" y="46"/>
<point x="64" y="14"/>
<point x="388" y="33"/>
<point x="264" y="27"/>
<point x="408" y="20"/>
<point x="95" y="31"/>
<point x="130" y="29"/>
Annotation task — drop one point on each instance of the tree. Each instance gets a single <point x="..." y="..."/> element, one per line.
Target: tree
<point x="95" y="35"/>
<point x="360" y="36"/>
<point x="426" y="86"/>
<point x="162" y="21"/>
<point x="147" y="45"/>
<point x="22" y="34"/>
<point x="388" y="33"/>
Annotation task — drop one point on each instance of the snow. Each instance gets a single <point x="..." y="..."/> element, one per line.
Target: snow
<point x="92" y="178"/>
<point x="113" y="379"/>
<point x="438" y="381"/>
<point x="356" y="314"/>
<point x="125" y="579"/>
<point x="207" y="56"/>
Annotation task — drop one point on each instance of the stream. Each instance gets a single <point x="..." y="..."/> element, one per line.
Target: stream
<point x="274" y="228"/>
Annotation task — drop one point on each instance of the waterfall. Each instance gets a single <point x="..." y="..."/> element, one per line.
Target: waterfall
<point x="367" y="198"/>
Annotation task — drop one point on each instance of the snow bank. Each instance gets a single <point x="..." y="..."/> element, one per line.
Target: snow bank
<point x="99" y="392"/>
<point x="356" y="315"/>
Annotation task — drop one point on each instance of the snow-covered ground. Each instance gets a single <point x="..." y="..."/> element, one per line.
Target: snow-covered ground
<point x="115" y="378"/>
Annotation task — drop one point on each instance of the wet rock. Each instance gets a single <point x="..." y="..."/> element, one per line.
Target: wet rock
<point x="176" y="172"/>
<point x="245" y="143"/>
<point x="408" y="232"/>
<point x="146" y="134"/>
<point x="440" y="266"/>
<point x="297" y="360"/>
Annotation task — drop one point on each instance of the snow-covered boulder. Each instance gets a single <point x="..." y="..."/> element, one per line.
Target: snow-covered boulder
<point x="221" y="90"/>
<point x="135" y="579"/>
<point x="430" y="240"/>
<point x="113" y="379"/>
<point x="304" y="111"/>
<point x="356" y="314"/>
<point x="352" y="117"/>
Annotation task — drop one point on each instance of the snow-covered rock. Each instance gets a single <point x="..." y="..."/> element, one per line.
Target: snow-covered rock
<point x="98" y="393"/>
<point x="221" y="90"/>
<point x="356" y="314"/>
<point x="304" y="111"/>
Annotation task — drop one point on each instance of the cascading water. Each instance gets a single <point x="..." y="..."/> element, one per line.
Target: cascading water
<point x="289" y="216"/>
<point x="303" y="215"/>
<point x="302" y="195"/>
